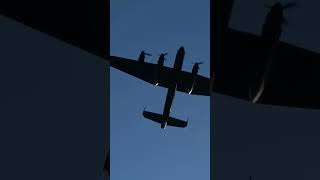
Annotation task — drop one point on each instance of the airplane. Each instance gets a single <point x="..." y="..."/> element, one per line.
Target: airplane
<point x="160" y="75"/>
<point x="263" y="69"/>
<point x="175" y="79"/>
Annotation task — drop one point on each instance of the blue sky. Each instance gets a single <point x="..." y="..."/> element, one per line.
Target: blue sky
<point x="139" y="148"/>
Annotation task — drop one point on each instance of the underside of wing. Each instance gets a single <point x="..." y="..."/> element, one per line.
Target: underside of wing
<point x="291" y="79"/>
<point x="163" y="76"/>
<point x="202" y="86"/>
<point x="198" y="84"/>
<point x="186" y="81"/>
<point x="144" y="71"/>
<point x="294" y="80"/>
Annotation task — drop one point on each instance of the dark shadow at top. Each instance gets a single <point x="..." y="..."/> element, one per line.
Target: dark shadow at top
<point x="84" y="24"/>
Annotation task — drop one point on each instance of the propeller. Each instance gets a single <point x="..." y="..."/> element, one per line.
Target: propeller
<point x="148" y="54"/>
<point x="163" y="54"/>
<point x="286" y="6"/>
<point x="283" y="7"/>
<point x="289" y="5"/>
<point x="198" y="64"/>
<point x="267" y="5"/>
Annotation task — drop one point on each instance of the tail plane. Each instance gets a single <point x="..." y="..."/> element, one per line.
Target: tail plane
<point x="161" y="120"/>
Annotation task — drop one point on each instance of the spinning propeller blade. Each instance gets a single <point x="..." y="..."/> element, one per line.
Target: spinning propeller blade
<point x="198" y="62"/>
<point x="290" y="5"/>
<point x="148" y="54"/>
<point x="163" y="54"/>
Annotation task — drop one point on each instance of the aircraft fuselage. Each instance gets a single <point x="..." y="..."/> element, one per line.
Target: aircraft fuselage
<point x="172" y="90"/>
<point x="176" y="67"/>
<point x="168" y="103"/>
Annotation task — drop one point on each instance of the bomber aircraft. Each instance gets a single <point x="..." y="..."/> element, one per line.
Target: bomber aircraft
<point x="175" y="79"/>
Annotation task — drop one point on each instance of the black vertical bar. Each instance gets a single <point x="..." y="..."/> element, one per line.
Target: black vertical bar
<point x="219" y="23"/>
<point x="106" y="30"/>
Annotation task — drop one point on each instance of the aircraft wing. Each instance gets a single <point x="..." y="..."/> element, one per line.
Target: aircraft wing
<point x="293" y="79"/>
<point x="201" y="86"/>
<point x="147" y="72"/>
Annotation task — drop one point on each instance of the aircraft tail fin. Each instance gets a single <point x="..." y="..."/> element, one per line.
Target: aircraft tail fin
<point x="160" y="119"/>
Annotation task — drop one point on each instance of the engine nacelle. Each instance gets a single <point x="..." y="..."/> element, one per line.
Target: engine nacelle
<point x="161" y="60"/>
<point x="272" y="28"/>
<point x="258" y="82"/>
<point x="163" y="125"/>
<point x="141" y="57"/>
<point x="195" y="68"/>
<point x="156" y="74"/>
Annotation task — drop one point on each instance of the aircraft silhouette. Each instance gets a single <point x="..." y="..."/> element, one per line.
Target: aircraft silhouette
<point x="165" y="118"/>
<point x="164" y="76"/>
<point x="263" y="69"/>
<point x="271" y="32"/>
<point x="272" y="27"/>
<point x="175" y="79"/>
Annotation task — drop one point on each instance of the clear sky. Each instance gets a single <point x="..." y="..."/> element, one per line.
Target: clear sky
<point x="140" y="149"/>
